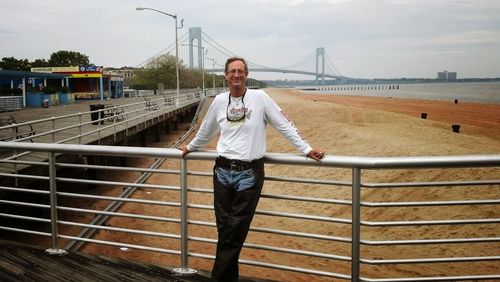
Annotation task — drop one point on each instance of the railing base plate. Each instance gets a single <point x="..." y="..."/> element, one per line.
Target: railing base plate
<point x="58" y="252"/>
<point x="184" y="271"/>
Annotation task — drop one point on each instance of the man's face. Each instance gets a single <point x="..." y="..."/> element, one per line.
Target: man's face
<point x="236" y="75"/>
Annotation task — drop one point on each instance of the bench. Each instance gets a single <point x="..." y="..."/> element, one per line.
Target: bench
<point x="20" y="131"/>
<point x="169" y="101"/>
<point x="112" y="112"/>
<point x="151" y="105"/>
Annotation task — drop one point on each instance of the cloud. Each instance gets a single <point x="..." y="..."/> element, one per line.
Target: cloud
<point x="359" y="35"/>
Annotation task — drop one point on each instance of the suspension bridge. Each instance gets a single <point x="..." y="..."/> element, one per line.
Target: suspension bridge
<point x="196" y="40"/>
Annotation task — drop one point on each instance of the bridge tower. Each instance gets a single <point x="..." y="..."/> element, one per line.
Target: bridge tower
<point x="320" y="51"/>
<point x="195" y="34"/>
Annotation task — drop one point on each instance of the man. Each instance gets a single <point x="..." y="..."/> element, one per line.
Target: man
<point x="241" y="116"/>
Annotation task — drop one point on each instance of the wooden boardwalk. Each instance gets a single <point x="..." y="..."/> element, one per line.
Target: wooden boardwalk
<point x="19" y="262"/>
<point x="136" y="108"/>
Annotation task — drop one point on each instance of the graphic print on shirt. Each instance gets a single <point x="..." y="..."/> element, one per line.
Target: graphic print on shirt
<point x="236" y="115"/>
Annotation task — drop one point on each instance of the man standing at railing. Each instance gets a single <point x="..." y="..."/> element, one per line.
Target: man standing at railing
<point x="241" y="116"/>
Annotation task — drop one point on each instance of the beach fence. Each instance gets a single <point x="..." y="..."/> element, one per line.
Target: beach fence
<point x="359" y="222"/>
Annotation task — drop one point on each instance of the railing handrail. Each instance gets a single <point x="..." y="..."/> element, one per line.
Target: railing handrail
<point x="87" y="112"/>
<point x="294" y="159"/>
<point x="130" y="115"/>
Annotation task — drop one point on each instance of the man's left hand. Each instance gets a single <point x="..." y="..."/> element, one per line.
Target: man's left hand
<point x="316" y="154"/>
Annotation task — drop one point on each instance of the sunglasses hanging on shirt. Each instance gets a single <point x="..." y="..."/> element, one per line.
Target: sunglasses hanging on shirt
<point x="235" y="110"/>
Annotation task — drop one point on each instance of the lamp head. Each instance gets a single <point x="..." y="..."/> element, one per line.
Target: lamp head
<point x="139" y="8"/>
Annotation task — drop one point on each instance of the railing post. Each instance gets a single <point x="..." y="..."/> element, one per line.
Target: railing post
<point x="114" y="130"/>
<point x="53" y="130"/>
<point x="184" y="269"/>
<point x="79" y="128"/>
<point x="16" y="180"/>
<point x="99" y="127"/>
<point x="356" y="218"/>
<point x="14" y="133"/>
<point x="53" y="207"/>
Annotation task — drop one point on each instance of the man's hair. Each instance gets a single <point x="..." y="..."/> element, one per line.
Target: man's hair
<point x="232" y="59"/>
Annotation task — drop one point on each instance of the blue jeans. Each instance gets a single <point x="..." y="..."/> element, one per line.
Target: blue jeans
<point x="238" y="180"/>
<point x="236" y="195"/>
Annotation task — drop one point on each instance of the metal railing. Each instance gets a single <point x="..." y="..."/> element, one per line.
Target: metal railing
<point x="69" y="128"/>
<point x="94" y="125"/>
<point x="354" y="226"/>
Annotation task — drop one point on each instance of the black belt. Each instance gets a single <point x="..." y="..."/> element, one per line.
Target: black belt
<point x="237" y="164"/>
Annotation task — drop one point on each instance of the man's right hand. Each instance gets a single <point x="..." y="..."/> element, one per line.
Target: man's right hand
<point x="185" y="151"/>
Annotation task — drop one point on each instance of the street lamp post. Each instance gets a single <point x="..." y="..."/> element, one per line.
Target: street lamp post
<point x="176" y="46"/>
<point x="213" y="73"/>
<point x="202" y="65"/>
<point x="224" y="78"/>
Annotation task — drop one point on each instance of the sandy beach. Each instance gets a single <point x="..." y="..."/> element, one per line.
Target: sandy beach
<point x="352" y="126"/>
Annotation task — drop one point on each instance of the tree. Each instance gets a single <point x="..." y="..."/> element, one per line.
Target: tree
<point x="159" y="70"/>
<point x="68" y="58"/>
<point x="11" y="63"/>
<point x="39" y="63"/>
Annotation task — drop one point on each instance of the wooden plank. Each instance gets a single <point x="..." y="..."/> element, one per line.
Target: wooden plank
<point x="20" y="262"/>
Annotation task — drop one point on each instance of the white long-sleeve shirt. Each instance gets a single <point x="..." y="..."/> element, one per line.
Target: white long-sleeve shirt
<point x="246" y="140"/>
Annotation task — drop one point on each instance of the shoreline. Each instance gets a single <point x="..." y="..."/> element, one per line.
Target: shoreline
<point x="470" y="92"/>
<point x="474" y="118"/>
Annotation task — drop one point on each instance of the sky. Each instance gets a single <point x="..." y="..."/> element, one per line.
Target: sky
<point x="362" y="38"/>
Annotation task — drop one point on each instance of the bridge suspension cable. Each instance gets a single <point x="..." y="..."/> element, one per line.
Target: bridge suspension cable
<point x="224" y="51"/>
<point x="250" y="63"/>
<point x="300" y="62"/>
<point x="331" y="66"/>
<point x="168" y="49"/>
<point x="228" y="53"/>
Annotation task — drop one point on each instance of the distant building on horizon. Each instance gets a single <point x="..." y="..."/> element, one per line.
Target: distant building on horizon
<point x="127" y="72"/>
<point x="446" y="75"/>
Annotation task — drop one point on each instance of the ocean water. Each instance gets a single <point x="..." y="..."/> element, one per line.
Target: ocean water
<point x="473" y="92"/>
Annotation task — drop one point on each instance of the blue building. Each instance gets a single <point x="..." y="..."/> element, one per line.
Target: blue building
<point x="20" y="89"/>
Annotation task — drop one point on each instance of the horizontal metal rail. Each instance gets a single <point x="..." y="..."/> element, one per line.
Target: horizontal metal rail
<point x="120" y="214"/>
<point x="428" y="279"/>
<point x="284" y="232"/>
<point x="430" y="241"/>
<point x="430" y="260"/>
<point x="431" y="203"/>
<point x="429" y="184"/>
<point x="430" y="222"/>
